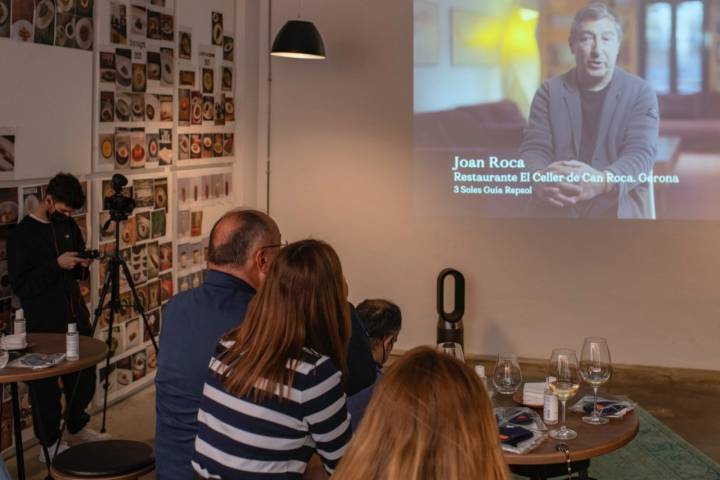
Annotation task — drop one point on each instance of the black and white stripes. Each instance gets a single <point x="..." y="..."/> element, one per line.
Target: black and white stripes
<point x="238" y="438"/>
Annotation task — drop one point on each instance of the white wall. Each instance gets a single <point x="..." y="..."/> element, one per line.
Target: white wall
<point x="46" y="95"/>
<point x="342" y="171"/>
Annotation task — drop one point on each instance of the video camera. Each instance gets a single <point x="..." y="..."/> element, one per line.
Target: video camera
<point x="91" y="254"/>
<point x="119" y="205"/>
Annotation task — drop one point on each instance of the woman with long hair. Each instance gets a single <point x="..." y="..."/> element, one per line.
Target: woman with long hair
<point x="430" y="419"/>
<point x="274" y="395"/>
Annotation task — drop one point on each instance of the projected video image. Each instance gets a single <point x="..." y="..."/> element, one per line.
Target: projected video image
<point x="567" y="109"/>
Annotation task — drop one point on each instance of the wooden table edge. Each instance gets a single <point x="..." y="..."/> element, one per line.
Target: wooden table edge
<point x="97" y="348"/>
<point x="576" y="455"/>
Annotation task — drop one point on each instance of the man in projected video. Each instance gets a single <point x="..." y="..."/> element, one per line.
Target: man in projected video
<point x="592" y="132"/>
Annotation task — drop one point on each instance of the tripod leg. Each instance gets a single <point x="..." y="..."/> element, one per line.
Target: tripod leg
<point x="107" y="283"/>
<point x="101" y="300"/>
<point x="138" y="304"/>
<point x="106" y="383"/>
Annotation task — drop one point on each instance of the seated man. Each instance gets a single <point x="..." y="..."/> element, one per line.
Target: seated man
<point x="382" y="321"/>
<point x="592" y="132"/>
<point x="242" y="245"/>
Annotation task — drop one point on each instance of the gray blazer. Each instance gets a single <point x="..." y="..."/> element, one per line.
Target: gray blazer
<point x="626" y="141"/>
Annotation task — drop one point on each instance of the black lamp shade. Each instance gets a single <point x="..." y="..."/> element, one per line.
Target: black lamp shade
<point x="298" y="39"/>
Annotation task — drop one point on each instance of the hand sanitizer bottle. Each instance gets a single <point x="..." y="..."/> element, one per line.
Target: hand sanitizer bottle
<point x="480" y="371"/>
<point x="72" y="343"/>
<point x="19" y="323"/>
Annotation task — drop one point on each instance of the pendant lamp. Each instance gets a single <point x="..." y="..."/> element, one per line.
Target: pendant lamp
<point x="298" y="39"/>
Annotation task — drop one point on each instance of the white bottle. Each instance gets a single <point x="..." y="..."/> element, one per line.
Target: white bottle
<point x="550" y="406"/>
<point x="19" y="324"/>
<point x="72" y="343"/>
<point x="480" y="370"/>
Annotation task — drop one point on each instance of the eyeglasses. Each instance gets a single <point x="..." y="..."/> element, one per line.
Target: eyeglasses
<point x="282" y="244"/>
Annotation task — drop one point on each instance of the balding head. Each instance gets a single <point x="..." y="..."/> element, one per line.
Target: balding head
<point x="237" y="243"/>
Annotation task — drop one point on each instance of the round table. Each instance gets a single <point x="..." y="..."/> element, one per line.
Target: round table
<point x="592" y="441"/>
<point x="92" y="351"/>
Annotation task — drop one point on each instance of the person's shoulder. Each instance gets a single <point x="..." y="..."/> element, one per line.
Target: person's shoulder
<point x="313" y="363"/>
<point x="25" y="230"/>
<point x="176" y="299"/>
<point x="222" y="346"/>
<point x="178" y="304"/>
<point x="556" y="85"/>
<point x="638" y="90"/>
<point x="628" y="79"/>
<point x="24" y="225"/>
<point x="565" y="79"/>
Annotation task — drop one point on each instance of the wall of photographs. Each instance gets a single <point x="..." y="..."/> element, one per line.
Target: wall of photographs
<point x="201" y="200"/>
<point x="147" y="248"/>
<point x="157" y="90"/>
<point x="159" y="63"/>
<point x="62" y="23"/>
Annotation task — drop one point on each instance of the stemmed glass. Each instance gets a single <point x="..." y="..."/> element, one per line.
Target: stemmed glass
<point x="4" y="355"/>
<point x="453" y="349"/>
<point x="507" y="375"/>
<point x="564" y="382"/>
<point x="595" y="369"/>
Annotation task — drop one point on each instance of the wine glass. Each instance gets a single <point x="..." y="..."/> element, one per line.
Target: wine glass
<point x="595" y="369"/>
<point x="4" y="355"/>
<point x="507" y="375"/>
<point x="453" y="349"/>
<point x="564" y="382"/>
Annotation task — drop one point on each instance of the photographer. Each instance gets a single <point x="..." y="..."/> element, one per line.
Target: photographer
<point x="44" y="269"/>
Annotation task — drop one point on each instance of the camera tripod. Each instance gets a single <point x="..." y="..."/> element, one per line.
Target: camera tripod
<point x="120" y="208"/>
<point x="112" y="284"/>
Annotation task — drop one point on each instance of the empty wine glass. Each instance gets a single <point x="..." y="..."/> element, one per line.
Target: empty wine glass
<point x="507" y="375"/>
<point x="453" y="349"/>
<point x="595" y="369"/>
<point x="564" y="382"/>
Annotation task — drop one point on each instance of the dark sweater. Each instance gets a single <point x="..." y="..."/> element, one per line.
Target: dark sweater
<point x="193" y="321"/>
<point x="49" y="295"/>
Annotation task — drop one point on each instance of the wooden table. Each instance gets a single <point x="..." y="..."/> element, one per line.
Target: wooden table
<point x="592" y="441"/>
<point x="92" y="351"/>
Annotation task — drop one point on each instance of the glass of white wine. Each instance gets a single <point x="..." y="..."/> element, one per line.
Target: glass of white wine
<point x="564" y="382"/>
<point x="453" y="349"/>
<point x="507" y="376"/>
<point x="4" y="355"/>
<point x="595" y="369"/>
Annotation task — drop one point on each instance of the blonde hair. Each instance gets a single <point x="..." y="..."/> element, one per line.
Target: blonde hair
<point x="429" y="418"/>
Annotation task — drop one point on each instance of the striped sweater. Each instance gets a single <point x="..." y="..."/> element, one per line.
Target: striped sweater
<point x="240" y="438"/>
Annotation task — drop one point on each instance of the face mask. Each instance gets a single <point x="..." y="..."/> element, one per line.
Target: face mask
<point x="57" y="217"/>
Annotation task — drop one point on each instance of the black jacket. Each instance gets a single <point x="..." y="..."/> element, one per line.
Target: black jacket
<point x="361" y="366"/>
<point x="50" y="296"/>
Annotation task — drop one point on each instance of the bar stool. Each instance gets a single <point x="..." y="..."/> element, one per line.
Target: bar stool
<point x="104" y="460"/>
